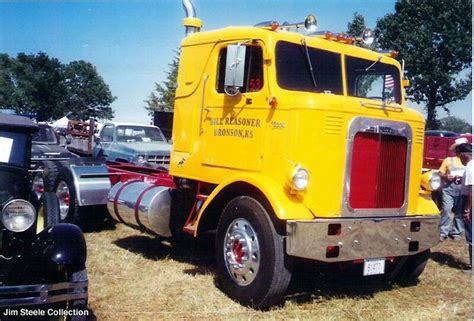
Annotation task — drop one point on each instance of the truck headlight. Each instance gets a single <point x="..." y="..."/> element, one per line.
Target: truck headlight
<point x="141" y="159"/>
<point x="299" y="179"/>
<point x="431" y="181"/>
<point x="18" y="215"/>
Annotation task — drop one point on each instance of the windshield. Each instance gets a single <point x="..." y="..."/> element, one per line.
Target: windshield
<point x="304" y="68"/>
<point x="45" y="135"/>
<point x="373" y="80"/>
<point x="131" y="134"/>
<point x="13" y="148"/>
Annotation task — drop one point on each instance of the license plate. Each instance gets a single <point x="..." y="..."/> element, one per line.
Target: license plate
<point x="374" y="266"/>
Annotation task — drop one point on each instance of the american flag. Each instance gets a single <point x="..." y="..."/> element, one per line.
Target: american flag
<point x="389" y="82"/>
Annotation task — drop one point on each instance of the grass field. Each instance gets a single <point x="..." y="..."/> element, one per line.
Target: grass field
<point x="136" y="276"/>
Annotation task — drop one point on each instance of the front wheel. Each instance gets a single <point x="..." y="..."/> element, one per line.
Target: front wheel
<point x="76" y="275"/>
<point x="413" y="267"/>
<point x="251" y="267"/>
<point x="48" y="212"/>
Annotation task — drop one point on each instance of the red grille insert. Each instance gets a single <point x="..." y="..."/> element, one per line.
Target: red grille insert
<point x="378" y="171"/>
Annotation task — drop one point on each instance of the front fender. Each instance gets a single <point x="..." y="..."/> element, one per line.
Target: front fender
<point x="62" y="244"/>
<point x="285" y="205"/>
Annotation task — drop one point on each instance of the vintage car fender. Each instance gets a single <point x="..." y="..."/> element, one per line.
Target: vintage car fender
<point x="286" y="206"/>
<point x="62" y="244"/>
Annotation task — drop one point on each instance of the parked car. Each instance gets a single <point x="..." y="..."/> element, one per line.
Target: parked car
<point x="133" y="143"/>
<point x="42" y="263"/>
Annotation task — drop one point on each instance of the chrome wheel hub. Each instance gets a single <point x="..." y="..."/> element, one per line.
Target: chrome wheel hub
<point x="38" y="186"/>
<point x="62" y="191"/>
<point x="241" y="252"/>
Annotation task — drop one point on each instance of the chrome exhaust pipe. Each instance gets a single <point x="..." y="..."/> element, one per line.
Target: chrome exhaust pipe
<point x="189" y="9"/>
<point x="191" y="23"/>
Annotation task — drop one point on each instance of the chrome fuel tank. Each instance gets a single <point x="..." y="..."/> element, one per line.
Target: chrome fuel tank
<point x="141" y="205"/>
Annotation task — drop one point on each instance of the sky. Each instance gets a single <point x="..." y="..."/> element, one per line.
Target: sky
<point x="132" y="42"/>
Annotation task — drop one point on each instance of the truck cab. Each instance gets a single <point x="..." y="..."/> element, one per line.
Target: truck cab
<point x="287" y="146"/>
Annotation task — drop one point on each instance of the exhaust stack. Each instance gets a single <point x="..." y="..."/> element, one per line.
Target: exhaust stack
<point x="191" y="23"/>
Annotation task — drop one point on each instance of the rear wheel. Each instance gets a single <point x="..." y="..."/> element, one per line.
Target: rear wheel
<point x="44" y="181"/>
<point x="66" y="193"/>
<point x="250" y="256"/>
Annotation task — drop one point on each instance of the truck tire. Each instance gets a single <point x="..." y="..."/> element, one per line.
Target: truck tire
<point x="44" y="181"/>
<point x="413" y="267"/>
<point x="48" y="212"/>
<point x="79" y="305"/>
<point x="67" y="196"/>
<point x="250" y="255"/>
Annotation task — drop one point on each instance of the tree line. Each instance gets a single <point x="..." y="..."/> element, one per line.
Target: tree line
<point x="42" y="85"/>
<point x="433" y="38"/>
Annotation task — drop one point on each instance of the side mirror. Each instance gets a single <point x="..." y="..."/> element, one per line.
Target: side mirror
<point x="96" y="139"/>
<point x="405" y="83"/>
<point x="234" y="70"/>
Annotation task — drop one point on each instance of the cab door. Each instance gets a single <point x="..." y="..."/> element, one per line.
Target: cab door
<point x="234" y="119"/>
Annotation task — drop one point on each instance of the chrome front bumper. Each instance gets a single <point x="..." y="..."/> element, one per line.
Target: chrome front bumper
<point x="23" y="295"/>
<point x="363" y="238"/>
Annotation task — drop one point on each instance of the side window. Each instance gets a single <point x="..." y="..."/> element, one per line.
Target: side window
<point x="107" y="134"/>
<point x="372" y="80"/>
<point x="253" y="77"/>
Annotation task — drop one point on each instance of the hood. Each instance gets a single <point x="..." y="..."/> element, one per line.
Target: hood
<point x="149" y="148"/>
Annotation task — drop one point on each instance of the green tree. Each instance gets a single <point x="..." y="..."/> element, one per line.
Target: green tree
<point x="434" y="39"/>
<point x="7" y="86"/>
<point x="87" y="93"/>
<point x="162" y="98"/>
<point x="356" y="27"/>
<point x="40" y="84"/>
<point x="455" y="124"/>
<point x="37" y="85"/>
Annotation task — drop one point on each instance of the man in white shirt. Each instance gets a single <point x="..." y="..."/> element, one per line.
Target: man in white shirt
<point x="467" y="180"/>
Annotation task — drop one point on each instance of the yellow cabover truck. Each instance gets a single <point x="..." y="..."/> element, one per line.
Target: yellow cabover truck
<point x="289" y="143"/>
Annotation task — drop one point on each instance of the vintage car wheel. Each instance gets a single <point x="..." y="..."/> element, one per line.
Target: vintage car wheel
<point x="77" y="275"/>
<point x="66" y="193"/>
<point x="48" y="212"/>
<point x="250" y="257"/>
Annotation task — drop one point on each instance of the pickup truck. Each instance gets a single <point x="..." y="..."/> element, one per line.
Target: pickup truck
<point x="133" y="143"/>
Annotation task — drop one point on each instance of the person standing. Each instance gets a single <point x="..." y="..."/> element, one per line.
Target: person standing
<point x="452" y="171"/>
<point x="467" y="180"/>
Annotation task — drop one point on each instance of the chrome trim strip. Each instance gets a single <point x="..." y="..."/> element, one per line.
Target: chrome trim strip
<point x="41" y="293"/>
<point x="382" y="126"/>
<point x="361" y="238"/>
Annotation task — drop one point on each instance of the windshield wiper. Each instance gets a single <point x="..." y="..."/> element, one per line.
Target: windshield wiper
<point x="303" y="42"/>
<point x="373" y="64"/>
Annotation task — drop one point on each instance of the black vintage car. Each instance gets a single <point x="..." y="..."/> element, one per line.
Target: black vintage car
<point x="42" y="263"/>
